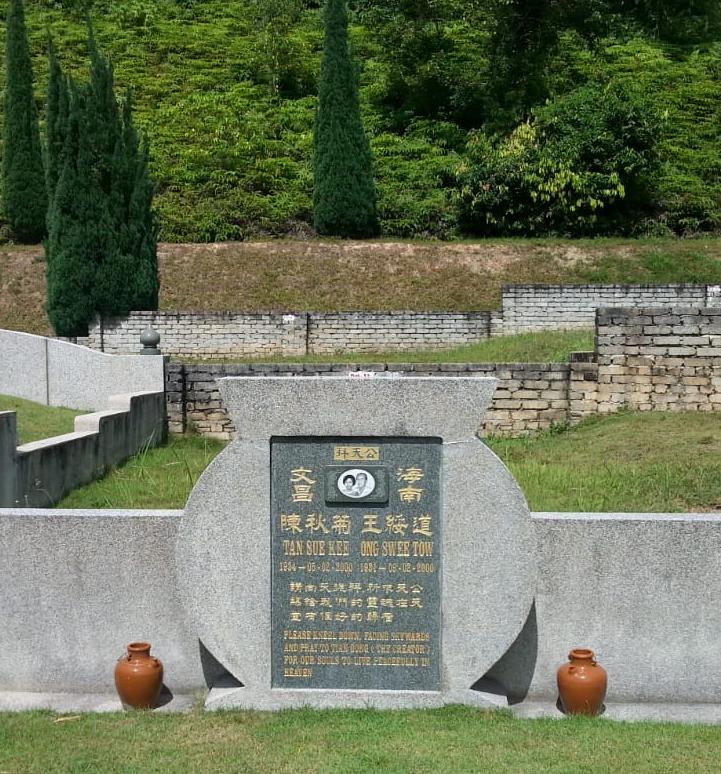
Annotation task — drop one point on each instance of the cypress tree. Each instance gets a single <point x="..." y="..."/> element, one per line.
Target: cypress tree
<point x="344" y="198"/>
<point x="102" y="247"/>
<point x="128" y="276"/>
<point x="25" y="201"/>
<point x="78" y="223"/>
<point x="56" y="124"/>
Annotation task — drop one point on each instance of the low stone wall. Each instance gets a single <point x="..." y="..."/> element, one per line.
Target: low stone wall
<point x="529" y="396"/>
<point x="529" y="308"/>
<point x="88" y="582"/>
<point x="209" y="334"/>
<point x="57" y="373"/>
<point x="333" y="332"/>
<point x="525" y="308"/>
<point x="652" y="359"/>
<point x="41" y="473"/>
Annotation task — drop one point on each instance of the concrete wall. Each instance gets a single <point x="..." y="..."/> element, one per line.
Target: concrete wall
<point x="41" y="473"/>
<point x="525" y="308"/>
<point x="56" y="373"/>
<point x="548" y="307"/>
<point x="642" y="590"/>
<point x="529" y="396"/>
<point x="80" y="585"/>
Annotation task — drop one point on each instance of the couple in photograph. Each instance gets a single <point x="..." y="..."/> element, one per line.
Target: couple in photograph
<point x="356" y="483"/>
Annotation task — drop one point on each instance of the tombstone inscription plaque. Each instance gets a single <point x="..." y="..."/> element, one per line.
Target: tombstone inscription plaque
<point x="357" y="545"/>
<point x="356" y="563"/>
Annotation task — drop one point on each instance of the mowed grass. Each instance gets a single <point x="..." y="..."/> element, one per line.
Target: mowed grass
<point x="541" y="347"/>
<point x="379" y="275"/>
<point x="159" y="477"/>
<point x="628" y="462"/>
<point x="36" y="422"/>
<point x="632" y="461"/>
<point x="453" y="739"/>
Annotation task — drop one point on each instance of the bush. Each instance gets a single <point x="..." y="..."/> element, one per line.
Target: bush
<point x="587" y="163"/>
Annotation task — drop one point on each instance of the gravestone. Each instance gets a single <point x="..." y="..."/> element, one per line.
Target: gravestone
<point x="357" y="545"/>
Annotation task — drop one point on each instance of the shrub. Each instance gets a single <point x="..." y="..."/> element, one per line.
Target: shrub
<point x="585" y="164"/>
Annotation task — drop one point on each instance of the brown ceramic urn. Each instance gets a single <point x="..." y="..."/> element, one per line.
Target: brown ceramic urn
<point x="582" y="683"/>
<point x="139" y="677"/>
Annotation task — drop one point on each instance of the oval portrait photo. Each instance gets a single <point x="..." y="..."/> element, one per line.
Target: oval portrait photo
<point x="356" y="483"/>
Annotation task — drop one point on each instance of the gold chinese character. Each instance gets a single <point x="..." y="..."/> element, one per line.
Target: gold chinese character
<point x="416" y="589"/>
<point x="401" y="588"/>
<point x="387" y="602"/>
<point x="422" y="525"/>
<point x="356" y="617"/>
<point x="310" y="616"/>
<point x="357" y="453"/>
<point x="295" y="586"/>
<point x="315" y="522"/>
<point x="356" y="602"/>
<point x="372" y="602"/>
<point x="296" y="616"/>
<point x="416" y="602"/>
<point x="296" y="601"/>
<point x="372" y="616"/>
<point x="401" y="602"/>
<point x="291" y="522"/>
<point x="396" y="524"/>
<point x="410" y="475"/>
<point x="302" y="485"/>
<point x="341" y="601"/>
<point x="370" y="524"/>
<point x="410" y="494"/>
<point x="341" y="524"/>
<point x="340" y="617"/>
<point x="309" y="602"/>
<point x="326" y="616"/>
<point x="387" y="617"/>
<point x="325" y="602"/>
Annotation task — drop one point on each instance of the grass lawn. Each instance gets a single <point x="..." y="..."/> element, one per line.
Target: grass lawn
<point x="160" y="477"/>
<point x="627" y="462"/>
<point x="542" y="347"/>
<point x="36" y="422"/>
<point x="630" y="461"/>
<point x="453" y="739"/>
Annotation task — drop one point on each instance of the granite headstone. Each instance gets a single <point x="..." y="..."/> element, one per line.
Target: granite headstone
<point x="357" y="545"/>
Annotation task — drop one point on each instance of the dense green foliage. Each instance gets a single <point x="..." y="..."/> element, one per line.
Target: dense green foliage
<point x="585" y="164"/>
<point x="227" y="94"/>
<point x="344" y="196"/>
<point x="101" y="249"/>
<point x="24" y="199"/>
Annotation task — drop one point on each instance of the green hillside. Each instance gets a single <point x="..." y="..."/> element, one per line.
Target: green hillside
<point x="226" y="92"/>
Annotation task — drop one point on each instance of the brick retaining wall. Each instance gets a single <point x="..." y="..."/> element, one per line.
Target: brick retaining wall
<point x="529" y="396"/>
<point x="648" y="358"/>
<point x="525" y="308"/>
<point x="549" y="307"/>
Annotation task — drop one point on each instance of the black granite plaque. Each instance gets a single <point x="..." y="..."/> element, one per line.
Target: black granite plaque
<point x="356" y="552"/>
